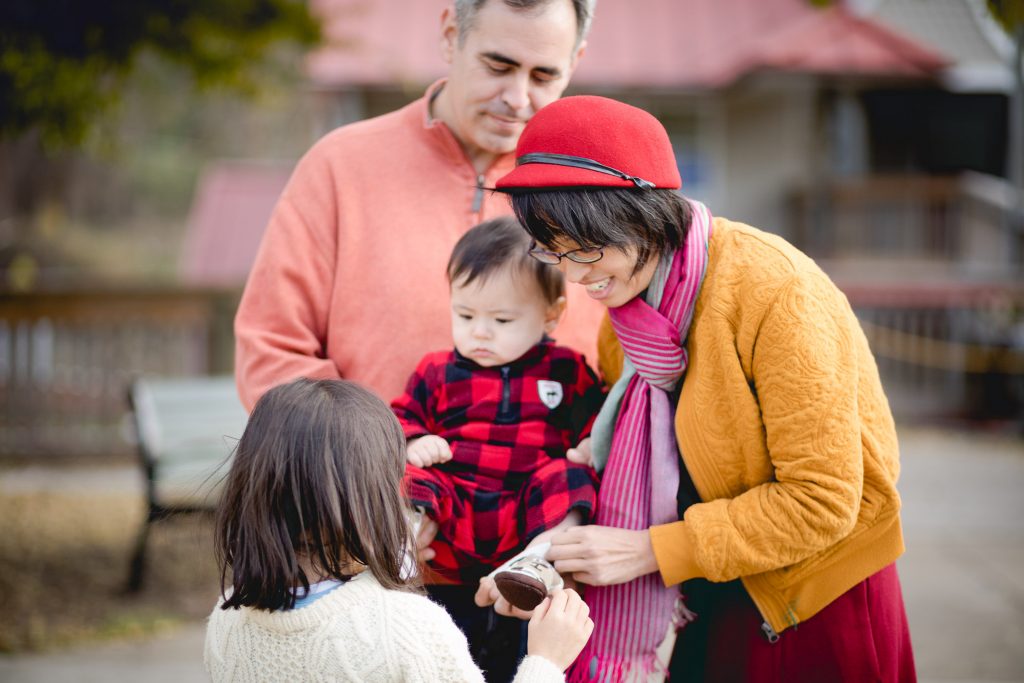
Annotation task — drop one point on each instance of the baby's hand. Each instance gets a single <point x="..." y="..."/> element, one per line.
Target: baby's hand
<point x="559" y="628"/>
<point x="428" y="450"/>
<point x="583" y="454"/>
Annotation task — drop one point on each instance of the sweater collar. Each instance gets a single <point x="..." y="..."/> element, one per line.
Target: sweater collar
<point x="311" y="616"/>
<point x="442" y="137"/>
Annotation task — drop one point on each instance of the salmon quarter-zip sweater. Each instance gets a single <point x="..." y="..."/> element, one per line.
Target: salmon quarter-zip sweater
<point x="349" y="280"/>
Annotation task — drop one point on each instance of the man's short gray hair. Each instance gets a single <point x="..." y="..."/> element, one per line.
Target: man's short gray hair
<point x="465" y="12"/>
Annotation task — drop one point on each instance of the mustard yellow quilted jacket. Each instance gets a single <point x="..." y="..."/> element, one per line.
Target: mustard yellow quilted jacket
<point x="783" y="426"/>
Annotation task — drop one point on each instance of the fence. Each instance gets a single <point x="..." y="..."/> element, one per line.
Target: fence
<point x="947" y="351"/>
<point x="933" y="267"/>
<point x="949" y="227"/>
<point x="66" y="360"/>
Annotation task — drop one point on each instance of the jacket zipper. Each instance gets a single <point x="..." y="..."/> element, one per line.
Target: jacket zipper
<point x="506" y="393"/>
<point x="770" y="634"/>
<point x="478" y="196"/>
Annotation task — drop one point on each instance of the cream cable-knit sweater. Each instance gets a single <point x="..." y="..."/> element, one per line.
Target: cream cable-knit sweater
<point x="359" y="632"/>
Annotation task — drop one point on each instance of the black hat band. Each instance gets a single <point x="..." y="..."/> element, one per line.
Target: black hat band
<point x="581" y="162"/>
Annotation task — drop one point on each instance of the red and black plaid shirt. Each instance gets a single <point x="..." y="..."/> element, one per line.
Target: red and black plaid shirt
<point x="509" y="428"/>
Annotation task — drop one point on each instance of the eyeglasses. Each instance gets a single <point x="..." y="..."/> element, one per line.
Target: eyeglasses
<point x="553" y="258"/>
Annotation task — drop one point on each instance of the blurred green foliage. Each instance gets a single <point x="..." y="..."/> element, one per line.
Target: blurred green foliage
<point x="63" y="62"/>
<point x="1009" y="13"/>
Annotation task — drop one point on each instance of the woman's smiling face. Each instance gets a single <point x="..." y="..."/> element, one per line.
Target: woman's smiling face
<point x="610" y="280"/>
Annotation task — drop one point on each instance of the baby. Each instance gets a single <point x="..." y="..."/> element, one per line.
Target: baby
<point x="489" y="423"/>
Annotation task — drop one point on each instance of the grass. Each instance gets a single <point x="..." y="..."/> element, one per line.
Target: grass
<point x="63" y="567"/>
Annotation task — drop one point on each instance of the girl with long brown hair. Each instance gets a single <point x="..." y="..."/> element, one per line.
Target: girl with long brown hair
<point x="312" y="537"/>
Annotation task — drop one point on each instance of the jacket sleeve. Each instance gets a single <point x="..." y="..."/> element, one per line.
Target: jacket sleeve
<point x="282" y="319"/>
<point x="610" y="356"/>
<point x="415" y="408"/>
<point x="804" y="366"/>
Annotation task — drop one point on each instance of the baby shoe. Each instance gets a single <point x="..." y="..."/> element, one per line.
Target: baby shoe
<point x="526" y="580"/>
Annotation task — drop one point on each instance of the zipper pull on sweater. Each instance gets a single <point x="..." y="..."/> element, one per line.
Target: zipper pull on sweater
<point x="506" y="393"/>
<point x="478" y="196"/>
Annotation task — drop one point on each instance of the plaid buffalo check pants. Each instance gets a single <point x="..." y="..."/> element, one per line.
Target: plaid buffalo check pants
<point x="508" y="428"/>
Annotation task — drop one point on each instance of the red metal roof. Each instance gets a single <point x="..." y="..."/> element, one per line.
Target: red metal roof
<point x="633" y="43"/>
<point x="232" y="205"/>
<point x="376" y="42"/>
<point x="834" y="41"/>
<point x="646" y="43"/>
<point x="696" y="43"/>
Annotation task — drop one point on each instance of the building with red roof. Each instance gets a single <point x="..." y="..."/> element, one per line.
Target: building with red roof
<point x="872" y="133"/>
<point x="767" y="101"/>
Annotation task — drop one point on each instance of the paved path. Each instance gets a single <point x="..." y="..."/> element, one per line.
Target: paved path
<point x="963" y="574"/>
<point x="173" y="658"/>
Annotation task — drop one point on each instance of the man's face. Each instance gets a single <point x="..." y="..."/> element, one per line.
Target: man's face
<point x="510" y="64"/>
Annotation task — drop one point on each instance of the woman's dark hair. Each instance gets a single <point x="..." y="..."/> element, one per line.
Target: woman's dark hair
<point x="317" y="470"/>
<point x="653" y="222"/>
<point x="497" y="244"/>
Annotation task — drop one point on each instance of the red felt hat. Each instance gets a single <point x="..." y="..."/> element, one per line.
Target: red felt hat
<point x="589" y="141"/>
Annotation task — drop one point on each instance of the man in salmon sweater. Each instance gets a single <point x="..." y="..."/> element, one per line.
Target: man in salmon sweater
<point x="350" y="277"/>
<point x="350" y="280"/>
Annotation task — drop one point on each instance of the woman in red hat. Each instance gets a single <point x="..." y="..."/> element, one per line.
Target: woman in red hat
<point x="747" y="451"/>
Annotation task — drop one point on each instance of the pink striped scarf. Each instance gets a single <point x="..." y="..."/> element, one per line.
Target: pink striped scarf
<point x="641" y="474"/>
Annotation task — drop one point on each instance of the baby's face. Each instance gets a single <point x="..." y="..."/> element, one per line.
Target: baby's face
<point x="497" y="319"/>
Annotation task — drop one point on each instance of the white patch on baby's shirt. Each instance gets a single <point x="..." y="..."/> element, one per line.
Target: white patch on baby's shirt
<point x="550" y="393"/>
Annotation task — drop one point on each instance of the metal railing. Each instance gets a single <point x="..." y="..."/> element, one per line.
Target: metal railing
<point x="933" y="267"/>
<point x="965" y="226"/>
<point x="66" y="359"/>
<point x="946" y="351"/>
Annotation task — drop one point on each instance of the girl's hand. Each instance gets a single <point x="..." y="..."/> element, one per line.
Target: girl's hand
<point x="602" y="555"/>
<point x="428" y="450"/>
<point x="583" y="454"/>
<point x="559" y="628"/>
<point x="487" y="594"/>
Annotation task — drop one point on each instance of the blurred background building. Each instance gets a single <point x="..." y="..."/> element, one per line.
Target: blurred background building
<point x="877" y="135"/>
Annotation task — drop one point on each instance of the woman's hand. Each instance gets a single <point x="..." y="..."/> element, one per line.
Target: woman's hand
<point x="602" y="555"/>
<point x="428" y="450"/>
<point x="559" y="628"/>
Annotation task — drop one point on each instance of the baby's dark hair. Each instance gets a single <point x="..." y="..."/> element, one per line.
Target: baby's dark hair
<point x="502" y="243"/>
<point x="318" y="470"/>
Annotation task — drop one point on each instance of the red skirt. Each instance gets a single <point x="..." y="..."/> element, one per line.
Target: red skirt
<point x="861" y="636"/>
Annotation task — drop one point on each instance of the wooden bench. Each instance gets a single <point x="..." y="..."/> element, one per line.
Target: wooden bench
<point x="187" y="430"/>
